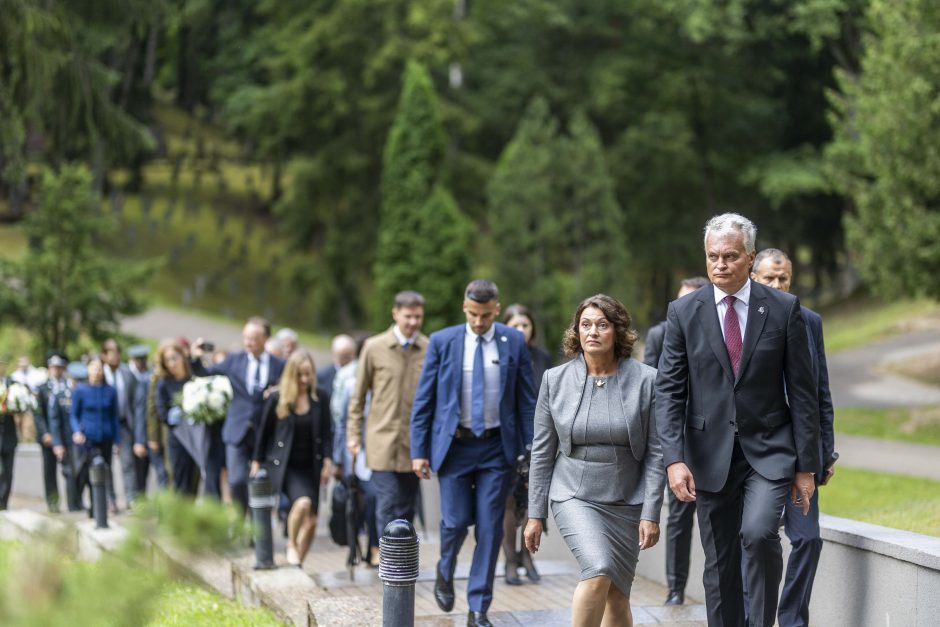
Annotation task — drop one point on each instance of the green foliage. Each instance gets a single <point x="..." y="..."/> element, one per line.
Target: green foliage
<point x="189" y="606"/>
<point x="886" y="154"/>
<point x="559" y="231"/>
<point x="424" y="241"/>
<point x="920" y="425"/>
<point x="65" y="285"/>
<point x="205" y="526"/>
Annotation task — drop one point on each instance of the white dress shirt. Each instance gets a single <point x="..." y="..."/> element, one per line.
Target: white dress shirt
<point x="491" y="379"/>
<point x="401" y="337"/>
<point x="253" y="364"/>
<point x="741" y="300"/>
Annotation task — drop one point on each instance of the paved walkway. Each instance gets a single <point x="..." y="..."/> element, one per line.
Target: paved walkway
<point x="903" y="458"/>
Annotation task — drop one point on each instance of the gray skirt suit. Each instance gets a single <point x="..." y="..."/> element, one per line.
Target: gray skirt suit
<point x="597" y="464"/>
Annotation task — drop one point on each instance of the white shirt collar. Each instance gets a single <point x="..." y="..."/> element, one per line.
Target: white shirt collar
<point x="488" y="336"/>
<point x="401" y="336"/>
<point x="743" y="294"/>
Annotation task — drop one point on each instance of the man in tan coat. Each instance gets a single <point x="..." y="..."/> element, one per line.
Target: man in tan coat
<point x="389" y="368"/>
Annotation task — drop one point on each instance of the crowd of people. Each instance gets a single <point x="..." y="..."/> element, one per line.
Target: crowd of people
<point x="731" y="408"/>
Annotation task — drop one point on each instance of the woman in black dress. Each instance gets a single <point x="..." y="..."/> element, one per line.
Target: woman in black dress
<point x="519" y="317"/>
<point x="172" y="374"/>
<point x="295" y="446"/>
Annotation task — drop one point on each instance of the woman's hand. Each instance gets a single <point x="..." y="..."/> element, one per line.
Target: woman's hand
<point x="78" y="437"/>
<point x="649" y="534"/>
<point x="326" y="472"/>
<point x="533" y="534"/>
<point x="255" y="467"/>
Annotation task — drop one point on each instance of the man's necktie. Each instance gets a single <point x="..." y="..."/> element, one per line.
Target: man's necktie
<point x="732" y="335"/>
<point x="256" y="383"/>
<point x="479" y="391"/>
<point x="406" y="346"/>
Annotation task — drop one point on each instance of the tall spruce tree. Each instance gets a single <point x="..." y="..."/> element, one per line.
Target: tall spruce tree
<point x="421" y="227"/>
<point x="526" y="216"/>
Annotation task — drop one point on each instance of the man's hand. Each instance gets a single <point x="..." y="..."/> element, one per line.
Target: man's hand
<point x="681" y="482"/>
<point x="829" y="473"/>
<point x="59" y="452"/>
<point x="422" y="468"/>
<point x="649" y="534"/>
<point x="533" y="534"/>
<point x="140" y="451"/>
<point x="802" y="490"/>
<point x="78" y="437"/>
<point x="255" y="467"/>
<point x="153" y="446"/>
<point x="47" y="440"/>
<point x="353" y="446"/>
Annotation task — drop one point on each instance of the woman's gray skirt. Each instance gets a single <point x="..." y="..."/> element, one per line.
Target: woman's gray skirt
<point x="605" y="539"/>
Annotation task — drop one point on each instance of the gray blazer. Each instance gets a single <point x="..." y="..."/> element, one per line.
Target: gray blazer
<point x="642" y="479"/>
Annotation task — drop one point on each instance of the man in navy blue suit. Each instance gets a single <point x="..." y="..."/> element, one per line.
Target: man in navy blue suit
<point x="773" y="268"/>
<point x="471" y="419"/>
<point x="251" y="371"/>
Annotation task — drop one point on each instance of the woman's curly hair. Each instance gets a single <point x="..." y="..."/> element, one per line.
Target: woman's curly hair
<point x="624" y="336"/>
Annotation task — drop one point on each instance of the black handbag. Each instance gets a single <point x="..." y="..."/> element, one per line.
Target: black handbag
<point x="338" y="516"/>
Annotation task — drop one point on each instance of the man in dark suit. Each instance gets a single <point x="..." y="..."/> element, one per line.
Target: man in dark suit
<point x="772" y="267"/>
<point x="56" y="383"/>
<point x="472" y="416"/>
<point x="251" y="371"/>
<point x="738" y="420"/>
<point x="681" y="514"/>
<point x="118" y="375"/>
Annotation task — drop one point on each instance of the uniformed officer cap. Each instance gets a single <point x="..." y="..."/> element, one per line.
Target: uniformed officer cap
<point x="77" y="370"/>
<point x="138" y="351"/>
<point x="57" y="360"/>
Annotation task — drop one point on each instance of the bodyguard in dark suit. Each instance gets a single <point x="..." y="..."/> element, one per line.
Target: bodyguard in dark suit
<point x="55" y="383"/>
<point x="772" y="267"/>
<point x="681" y="515"/>
<point x="251" y="371"/>
<point x="59" y="411"/>
<point x="471" y="418"/>
<point x="738" y="420"/>
<point x="119" y="376"/>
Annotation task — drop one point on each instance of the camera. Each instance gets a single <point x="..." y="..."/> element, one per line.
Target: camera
<point x="208" y="346"/>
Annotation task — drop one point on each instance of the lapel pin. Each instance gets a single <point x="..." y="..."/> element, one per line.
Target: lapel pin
<point x="761" y="310"/>
<point x="502" y="338"/>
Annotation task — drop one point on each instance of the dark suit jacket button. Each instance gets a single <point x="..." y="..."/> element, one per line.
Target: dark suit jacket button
<point x="277" y="462"/>
<point x="281" y="444"/>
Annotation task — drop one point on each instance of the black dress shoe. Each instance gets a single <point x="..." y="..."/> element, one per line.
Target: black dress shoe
<point x="478" y="619"/>
<point x="443" y="591"/>
<point x="675" y="597"/>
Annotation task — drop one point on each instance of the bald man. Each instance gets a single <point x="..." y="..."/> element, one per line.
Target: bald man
<point x="342" y="351"/>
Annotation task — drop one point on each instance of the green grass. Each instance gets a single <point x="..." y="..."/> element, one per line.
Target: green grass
<point x="859" y="321"/>
<point x="896" y="501"/>
<point x="189" y="606"/>
<point x="919" y="424"/>
<point x="12" y="241"/>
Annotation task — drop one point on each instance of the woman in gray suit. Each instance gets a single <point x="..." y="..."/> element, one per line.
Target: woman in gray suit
<point x="596" y="460"/>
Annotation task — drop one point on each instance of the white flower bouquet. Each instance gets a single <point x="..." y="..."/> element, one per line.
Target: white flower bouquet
<point x="206" y="399"/>
<point x="17" y="399"/>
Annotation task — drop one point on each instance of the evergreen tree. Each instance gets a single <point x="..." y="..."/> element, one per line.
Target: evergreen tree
<point x="419" y="227"/>
<point x="65" y="286"/>
<point x="596" y="237"/>
<point x="885" y="154"/>
<point x="527" y="219"/>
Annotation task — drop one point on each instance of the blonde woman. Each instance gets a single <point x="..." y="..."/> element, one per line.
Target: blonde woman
<point x="295" y="446"/>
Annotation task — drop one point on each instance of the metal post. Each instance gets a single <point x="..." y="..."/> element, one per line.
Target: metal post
<point x="99" y="492"/>
<point x="398" y="570"/>
<point x="261" y="500"/>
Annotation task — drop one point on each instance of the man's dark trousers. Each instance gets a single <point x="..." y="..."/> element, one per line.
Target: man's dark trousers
<point x="237" y="462"/>
<point x="805" y="547"/>
<point x="50" y="482"/>
<point x="678" y="542"/>
<point x="395" y="496"/>
<point x="474" y="480"/>
<point x="744" y="513"/>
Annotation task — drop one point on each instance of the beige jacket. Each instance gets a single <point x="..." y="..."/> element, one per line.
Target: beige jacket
<point x="391" y="374"/>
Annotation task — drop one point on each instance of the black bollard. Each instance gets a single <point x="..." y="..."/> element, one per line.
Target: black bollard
<point x="261" y="500"/>
<point x="398" y="570"/>
<point x="99" y="491"/>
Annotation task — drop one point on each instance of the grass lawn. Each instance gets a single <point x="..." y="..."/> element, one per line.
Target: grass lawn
<point x="895" y="501"/>
<point x="918" y="424"/>
<point x="859" y="321"/>
<point x="189" y="606"/>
